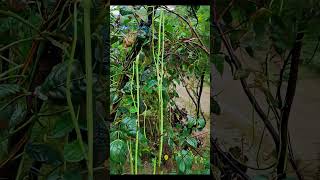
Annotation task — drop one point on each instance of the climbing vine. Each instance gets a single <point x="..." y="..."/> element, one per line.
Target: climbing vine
<point x="159" y="47"/>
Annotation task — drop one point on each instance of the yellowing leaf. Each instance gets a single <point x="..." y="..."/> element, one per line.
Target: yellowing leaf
<point x="166" y="157"/>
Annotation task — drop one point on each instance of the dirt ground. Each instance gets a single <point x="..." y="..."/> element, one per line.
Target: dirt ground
<point x="185" y="101"/>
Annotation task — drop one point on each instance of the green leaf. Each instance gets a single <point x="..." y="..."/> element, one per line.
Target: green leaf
<point x="171" y="143"/>
<point x="125" y="11"/>
<point x="191" y="121"/>
<point x="118" y="150"/>
<point x="151" y="83"/>
<point x="250" y="51"/>
<point x="181" y="166"/>
<point x="3" y="144"/>
<point x="62" y="127"/>
<point x="260" y="20"/>
<point x="184" y="161"/>
<point x="133" y="109"/>
<point x="68" y="175"/>
<point x="241" y="74"/>
<point x="218" y="61"/>
<point x="214" y="107"/>
<point x="123" y="110"/>
<point x="18" y="114"/>
<point x="192" y="142"/>
<point x="129" y="125"/>
<point x="9" y="89"/>
<point x="114" y="39"/>
<point x="188" y="159"/>
<point x="282" y="34"/>
<point x="126" y="19"/>
<point x="216" y="42"/>
<point x="201" y="123"/>
<point x="142" y="140"/>
<point x="45" y="153"/>
<point x="261" y="13"/>
<point x="72" y="175"/>
<point x="73" y="152"/>
<point x="55" y="84"/>
<point x="55" y="175"/>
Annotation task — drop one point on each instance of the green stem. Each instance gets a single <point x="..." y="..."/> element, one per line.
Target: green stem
<point x="30" y="120"/>
<point x="14" y="99"/>
<point x="160" y="85"/>
<point x="154" y="165"/>
<point x="68" y="84"/>
<point x="130" y="155"/>
<point x="11" y="70"/>
<point x="21" y="165"/>
<point x="131" y="85"/>
<point x="13" y="77"/>
<point x="144" y="121"/>
<point x="16" y="42"/>
<point x="138" y="113"/>
<point x="8" y="60"/>
<point x="89" y="103"/>
<point x="65" y="161"/>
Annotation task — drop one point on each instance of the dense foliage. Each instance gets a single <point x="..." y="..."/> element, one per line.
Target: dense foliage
<point x="154" y="49"/>
<point x="48" y="108"/>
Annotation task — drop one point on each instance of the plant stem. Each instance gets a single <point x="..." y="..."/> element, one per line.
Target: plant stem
<point x="154" y="165"/>
<point x="138" y="112"/>
<point x="130" y="155"/>
<point x="285" y="113"/>
<point x="10" y="70"/>
<point x="21" y="166"/>
<point x="131" y="85"/>
<point x="160" y="85"/>
<point x="88" y="60"/>
<point x="144" y="121"/>
<point x="16" y="42"/>
<point x="68" y="85"/>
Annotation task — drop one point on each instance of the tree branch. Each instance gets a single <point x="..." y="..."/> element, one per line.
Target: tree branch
<point x="285" y="112"/>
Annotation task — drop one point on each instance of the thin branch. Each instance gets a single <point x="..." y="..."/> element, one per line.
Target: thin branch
<point x="279" y="98"/>
<point x="314" y="52"/>
<point x="199" y="94"/>
<point x="192" y="29"/>
<point x="220" y="153"/>
<point x="291" y="88"/>
<point x="246" y="89"/>
<point x="19" y="18"/>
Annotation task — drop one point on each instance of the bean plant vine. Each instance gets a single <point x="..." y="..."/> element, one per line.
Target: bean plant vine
<point x="53" y="122"/>
<point x="154" y="129"/>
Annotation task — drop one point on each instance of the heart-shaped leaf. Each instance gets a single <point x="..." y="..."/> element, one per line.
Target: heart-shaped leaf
<point x="201" y="123"/>
<point x="18" y="114"/>
<point x="118" y="151"/>
<point x="62" y="127"/>
<point x="129" y="125"/>
<point x="218" y="61"/>
<point x="44" y="153"/>
<point x="215" y="107"/>
<point x="191" y="121"/>
<point x="181" y="166"/>
<point x="9" y="89"/>
<point x="72" y="175"/>
<point x="192" y="142"/>
<point x="73" y="152"/>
